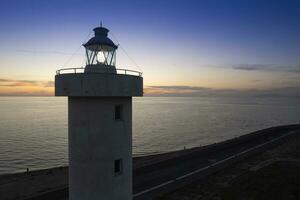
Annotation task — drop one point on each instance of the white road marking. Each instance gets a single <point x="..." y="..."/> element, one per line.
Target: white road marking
<point x="153" y="188"/>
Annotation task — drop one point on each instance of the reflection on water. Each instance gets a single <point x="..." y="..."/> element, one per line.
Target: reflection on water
<point x="33" y="130"/>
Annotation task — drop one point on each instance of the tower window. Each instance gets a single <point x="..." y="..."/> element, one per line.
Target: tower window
<point x="118" y="112"/>
<point x="118" y="167"/>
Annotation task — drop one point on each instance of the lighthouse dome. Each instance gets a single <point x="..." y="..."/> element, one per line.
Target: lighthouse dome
<point x="100" y="42"/>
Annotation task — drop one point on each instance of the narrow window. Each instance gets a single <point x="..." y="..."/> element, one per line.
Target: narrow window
<point x="118" y="167"/>
<point x="118" y="112"/>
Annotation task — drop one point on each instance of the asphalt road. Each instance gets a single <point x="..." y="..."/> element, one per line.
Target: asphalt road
<point x="152" y="180"/>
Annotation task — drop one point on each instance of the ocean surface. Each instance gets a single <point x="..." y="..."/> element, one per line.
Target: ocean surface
<point x="33" y="130"/>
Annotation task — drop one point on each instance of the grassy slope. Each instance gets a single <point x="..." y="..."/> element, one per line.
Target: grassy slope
<point x="277" y="181"/>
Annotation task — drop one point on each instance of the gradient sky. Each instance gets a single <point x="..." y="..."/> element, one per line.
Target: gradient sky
<point x="182" y="47"/>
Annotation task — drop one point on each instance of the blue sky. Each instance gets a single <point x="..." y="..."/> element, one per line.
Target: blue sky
<point x="216" y="44"/>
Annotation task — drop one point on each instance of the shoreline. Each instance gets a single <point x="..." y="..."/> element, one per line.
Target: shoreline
<point x="27" y="185"/>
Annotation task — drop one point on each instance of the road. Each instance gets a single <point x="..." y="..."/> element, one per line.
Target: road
<point x="152" y="180"/>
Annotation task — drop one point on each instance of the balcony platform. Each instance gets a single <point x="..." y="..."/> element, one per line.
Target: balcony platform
<point x="75" y="82"/>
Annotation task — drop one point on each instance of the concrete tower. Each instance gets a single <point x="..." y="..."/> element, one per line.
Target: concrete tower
<point x="100" y="122"/>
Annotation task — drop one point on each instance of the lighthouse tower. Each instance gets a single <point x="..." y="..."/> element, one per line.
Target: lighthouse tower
<point x="100" y="122"/>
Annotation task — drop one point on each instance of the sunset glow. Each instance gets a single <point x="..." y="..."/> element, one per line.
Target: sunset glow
<point x="216" y="45"/>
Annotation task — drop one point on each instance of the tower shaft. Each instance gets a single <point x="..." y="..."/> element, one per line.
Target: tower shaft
<point x="100" y="148"/>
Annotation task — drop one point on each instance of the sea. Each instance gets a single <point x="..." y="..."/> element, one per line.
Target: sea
<point x="33" y="130"/>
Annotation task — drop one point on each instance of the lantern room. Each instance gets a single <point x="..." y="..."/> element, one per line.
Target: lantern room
<point x="100" y="52"/>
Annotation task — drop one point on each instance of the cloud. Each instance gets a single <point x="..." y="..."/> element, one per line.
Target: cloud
<point x="180" y="87"/>
<point x="268" y="67"/>
<point x="248" y="67"/>
<point x="48" y="84"/>
<point x="174" y="90"/>
<point x="22" y="83"/>
<point x="45" y="52"/>
<point x="5" y="80"/>
<point x="192" y="91"/>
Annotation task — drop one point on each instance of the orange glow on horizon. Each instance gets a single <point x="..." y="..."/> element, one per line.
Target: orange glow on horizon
<point x="11" y="87"/>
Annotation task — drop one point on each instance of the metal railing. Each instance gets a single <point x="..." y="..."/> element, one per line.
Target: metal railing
<point x="81" y="71"/>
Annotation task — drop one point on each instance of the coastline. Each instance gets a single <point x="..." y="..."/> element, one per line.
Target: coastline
<point x="28" y="185"/>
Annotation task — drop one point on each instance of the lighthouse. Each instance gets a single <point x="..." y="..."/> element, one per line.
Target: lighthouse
<point x="99" y="122"/>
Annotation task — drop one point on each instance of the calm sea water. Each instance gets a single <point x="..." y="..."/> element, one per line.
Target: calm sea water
<point x="33" y="130"/>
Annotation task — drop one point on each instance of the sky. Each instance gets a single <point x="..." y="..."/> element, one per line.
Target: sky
<point x="183" y="48"/>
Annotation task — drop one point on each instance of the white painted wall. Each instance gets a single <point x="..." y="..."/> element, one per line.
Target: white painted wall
<point x="96" y="139"/>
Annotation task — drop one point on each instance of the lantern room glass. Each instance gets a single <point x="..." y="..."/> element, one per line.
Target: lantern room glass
<point x="105" y="57"/>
